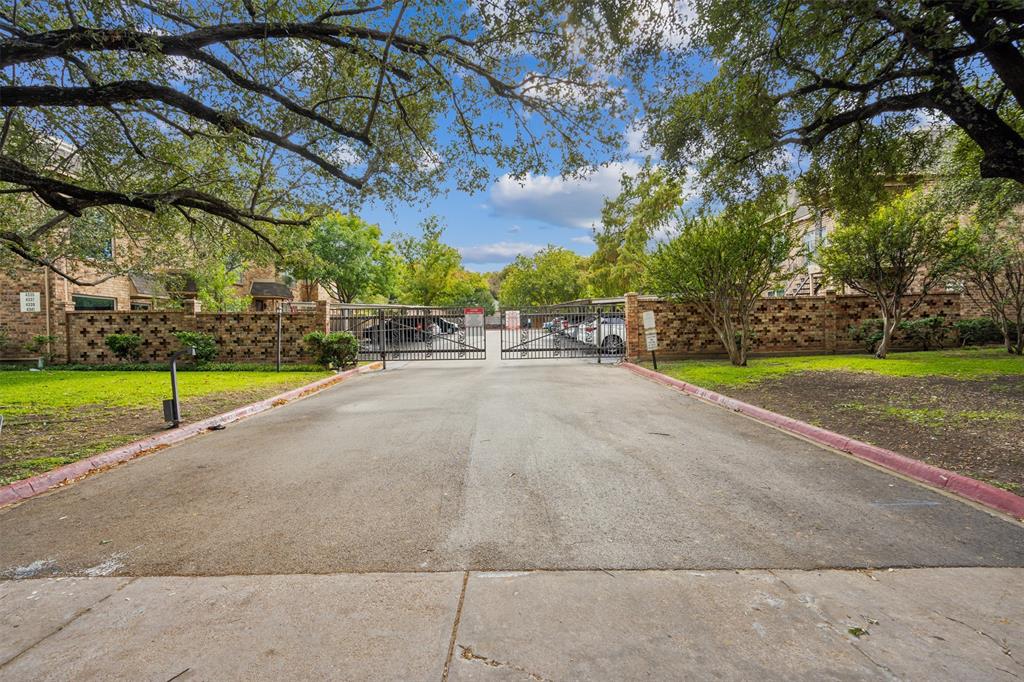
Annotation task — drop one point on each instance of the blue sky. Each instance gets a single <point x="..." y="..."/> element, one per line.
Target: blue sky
<point x="491" y="227"/>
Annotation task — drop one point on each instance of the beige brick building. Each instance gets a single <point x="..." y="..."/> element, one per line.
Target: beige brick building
<point x="34" y="299"/>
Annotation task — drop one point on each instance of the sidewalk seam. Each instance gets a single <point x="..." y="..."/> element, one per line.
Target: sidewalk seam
<point x="455" y="627"/>
<point x="62" y="626"/>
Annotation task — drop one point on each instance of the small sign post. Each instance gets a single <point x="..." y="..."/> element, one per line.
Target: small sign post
<point x="651" y="336"/>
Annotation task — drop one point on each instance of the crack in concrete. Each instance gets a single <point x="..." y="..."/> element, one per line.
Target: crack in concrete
<point x="813" y="606"/>
<point x="469" y="655"/>
<point x="78" y="614"/>
<point x="1002" y="645"/>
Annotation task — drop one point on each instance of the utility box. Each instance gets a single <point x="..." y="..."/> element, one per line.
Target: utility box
<point x="169" y="415"/>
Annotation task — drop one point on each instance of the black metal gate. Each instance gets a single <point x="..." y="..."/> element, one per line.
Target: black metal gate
<point x="565" y="331"/>
<point x="413" y="333"/>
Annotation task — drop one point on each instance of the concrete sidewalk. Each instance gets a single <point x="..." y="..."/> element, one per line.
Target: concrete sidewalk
<point x="928" y="624"/>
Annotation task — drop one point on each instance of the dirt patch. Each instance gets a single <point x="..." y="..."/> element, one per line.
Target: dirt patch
<point x="972" y="427"/>
<point x="33" y="443"/>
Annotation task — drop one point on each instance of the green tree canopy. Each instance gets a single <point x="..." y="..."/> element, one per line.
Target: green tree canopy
<point x="895" y="255"/>
<point x="723" y="263"/>
<point x="185" y="123"/>
<point x="345" y="255"/>
<point x="469" y="290"/>
<point x="427" y="266"/>
<point x="552" y="275"/>
<point x="629" y="221"/>
<point x="847" y="82"/>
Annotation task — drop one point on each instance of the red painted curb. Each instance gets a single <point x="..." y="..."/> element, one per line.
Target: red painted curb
<point x="964" y="486"/>
<point x="28" y="487"/>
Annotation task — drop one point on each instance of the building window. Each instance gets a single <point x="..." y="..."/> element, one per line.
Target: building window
<point x="259" y="305"/>
<point x="137" y="305"/>
<point x="94" y="303"/>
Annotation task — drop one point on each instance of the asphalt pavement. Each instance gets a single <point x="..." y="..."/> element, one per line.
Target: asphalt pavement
<point x="555" y="519"/>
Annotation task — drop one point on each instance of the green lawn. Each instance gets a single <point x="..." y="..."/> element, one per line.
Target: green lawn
<point x="30" y="392"/>
<point x="958" y="364"/>
<point x="59" y="416"/>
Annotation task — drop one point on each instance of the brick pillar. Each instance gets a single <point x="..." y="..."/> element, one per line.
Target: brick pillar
<point x="322" y="319"/>
<point x="830" y="320"/>
<point x="191" y="306"/>
<point x="60" y="327"/>
<point x="632" y="326"/>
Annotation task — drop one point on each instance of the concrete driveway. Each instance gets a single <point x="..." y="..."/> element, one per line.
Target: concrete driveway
<point x="553" y="519"/>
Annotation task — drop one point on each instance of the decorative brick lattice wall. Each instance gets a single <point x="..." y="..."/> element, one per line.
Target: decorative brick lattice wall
<point x="806" y="324"/>
<point x="241" y="337"/>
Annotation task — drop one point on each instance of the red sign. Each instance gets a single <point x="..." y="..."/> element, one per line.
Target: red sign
<point x="473" y="311"/>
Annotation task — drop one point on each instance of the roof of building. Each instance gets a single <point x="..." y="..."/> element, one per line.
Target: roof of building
<point x="147" y="285"/>
<point x="270" y="290"/>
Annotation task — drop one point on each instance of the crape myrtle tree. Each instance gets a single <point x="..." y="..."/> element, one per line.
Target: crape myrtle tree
<point x="724" y="262"/>
<point x="992" y="269"/>
<point x="178" y="123"/>
<point x="848" y="86"/>
<point x="895" y="255"/>
<point x="345" y="255"/>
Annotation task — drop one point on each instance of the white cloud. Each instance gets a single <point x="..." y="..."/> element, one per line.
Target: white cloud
<point x="566" y="202"/>
<point x="584" y="239"/>
<point x="498" y="251"/>
<point x="514" y="229"/>
<point x="635" y="138"/>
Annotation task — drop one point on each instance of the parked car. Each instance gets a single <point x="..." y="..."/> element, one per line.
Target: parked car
<point x="410" y="328"/>
<point x="612" y="336"/>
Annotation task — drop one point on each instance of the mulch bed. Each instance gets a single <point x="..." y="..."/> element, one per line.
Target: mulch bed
<point x="972" y="427"/>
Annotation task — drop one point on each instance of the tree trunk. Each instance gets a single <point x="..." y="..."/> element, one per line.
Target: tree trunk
<point x="888" y="327"/>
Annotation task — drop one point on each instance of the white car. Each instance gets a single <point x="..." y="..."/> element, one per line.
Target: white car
<point x="613" y="334"/>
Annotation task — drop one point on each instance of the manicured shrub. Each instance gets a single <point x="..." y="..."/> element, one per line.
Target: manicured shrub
<point x="868" y="333"/>
<point x="978" y="331"/>
<point x="124" y="346"/>
<point x="42" y="345"/>
<point x="926" y="332"/>
<point x="205" y="345"/>
<point x="337" y="349"/>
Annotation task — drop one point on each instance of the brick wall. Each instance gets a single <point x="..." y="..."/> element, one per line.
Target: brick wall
<point x="807" y="324"/>
<point x="241" y="337"/>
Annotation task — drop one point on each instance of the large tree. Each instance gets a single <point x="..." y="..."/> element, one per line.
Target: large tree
<point x="896" y="255"/>
<point x="724" y="262"/>
<point x="851" y="83"/>
<point x="345" y="255"/>
<point x="552" y="275"/>
<point x="993" y="212"/>
<point x="185" y="122"/>
<point x="629" y="221"/>
<point x="427" y="267"/>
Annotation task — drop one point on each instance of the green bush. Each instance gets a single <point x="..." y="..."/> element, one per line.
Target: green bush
<point x="124" y="346"/>
<point x="926" y="332"/>
<point x="39" y="344"/>
<point x="205" y="345"/>
<point x="337" y="349"/>
<point x="190" y="367"/>
<point x="868" y="333"/>
<point x="978" y="331"/>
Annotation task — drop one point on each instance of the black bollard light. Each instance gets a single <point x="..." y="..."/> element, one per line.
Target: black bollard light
<point x="172" y="408"/>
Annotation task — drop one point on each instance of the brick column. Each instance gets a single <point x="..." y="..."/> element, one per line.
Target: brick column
<point x="191" y="306"/>
<point x="322" y="319"/>
<point x="830" y="320"/>
<point x="632" y="326"/>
